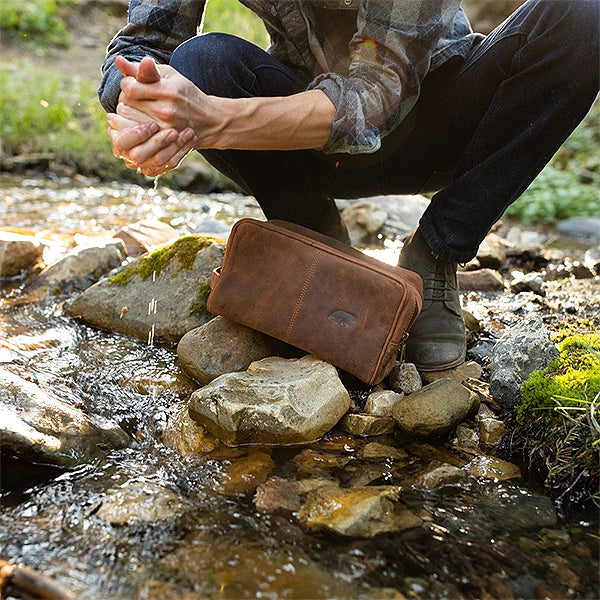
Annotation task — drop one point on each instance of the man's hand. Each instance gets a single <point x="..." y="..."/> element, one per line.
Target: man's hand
<point x="137" y="139"/>
<point x="164" y="95"/>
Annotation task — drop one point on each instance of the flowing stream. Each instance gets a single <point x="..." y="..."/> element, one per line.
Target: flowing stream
<point x="478" y="539"/>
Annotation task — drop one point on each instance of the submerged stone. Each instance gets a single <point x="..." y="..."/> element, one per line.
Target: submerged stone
<point x="490" y="467"/>
<point x="361" y="512"/>
<point x="437" y="475"/>
<point x="276" y="401"/>
<point x="78" y="269"/>
<point x="159" y="296"/>
<point x="244" y="474"/>
<point x="18" y="252"/>
<point x="187" y="436"/>
<point x="367" y="425"/>
<point x="38" y="426"/>
<point x="139" y="502"/>
<point x="277" y="495"/>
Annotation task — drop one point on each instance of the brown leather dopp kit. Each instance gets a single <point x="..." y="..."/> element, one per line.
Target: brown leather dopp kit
<point x="317" y="294"/>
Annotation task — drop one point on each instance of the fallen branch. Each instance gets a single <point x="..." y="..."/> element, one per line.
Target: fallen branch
<point x="31" y="582"/>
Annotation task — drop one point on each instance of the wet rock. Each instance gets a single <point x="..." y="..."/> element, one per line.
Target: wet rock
<point x="467" y="438"/>
<point x="78" y="269"/>
<point x="586" y="228"/>
<point x="38" y="426"/>
<point x="338" y="441"/>
<point x="490" y="467"/>
<point x="361" y="512"/>
<point x="580" y="270"/>
<point x="364" y="221"/>
<point x="137" y="502"/>
<point x="520" y="351"/>
<point x="435" y="409"/>
<point x="484" y="412"/>
<point x="481" y="351"/>
<point x="159" y="296"/>
<point x="404" y="379"/>
<point x="277" y="495"/>
<point x="592" y="259"/>
<point x="492" y="252"/>
<point x="381" y="403"/>
<point x="359" y="476"/>
<point x="276" y="401"/>
<point x="472" y="324"/>
<point x="223" y="346"/>
<point x="18" y="252"/>
<point x="143" y="236"/>
<point x="186" y="436"/>
<point x="490" y="431"/>
<point x="244" y="474"/>
<point x="367" y="425"/>
<point x="229" y="566"/>
<point x="377" y="451"/>
<point x="460" y="373"/>
<point x="310" y="461"/>
<point x="484" y="280"/>
<point x="436" y="475"/>
<point x="385" y="593"/>
<point x="527" y="282"/>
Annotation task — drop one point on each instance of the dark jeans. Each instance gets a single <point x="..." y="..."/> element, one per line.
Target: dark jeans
<point x="480" y="132"/>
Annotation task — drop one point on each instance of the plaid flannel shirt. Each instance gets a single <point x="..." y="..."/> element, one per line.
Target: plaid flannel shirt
<point x="396" y="43"/>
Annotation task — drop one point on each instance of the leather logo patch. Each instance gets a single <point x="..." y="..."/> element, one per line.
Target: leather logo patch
<point x="343" y="318"/>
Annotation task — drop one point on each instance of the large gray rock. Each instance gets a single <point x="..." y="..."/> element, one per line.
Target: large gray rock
<point x="517" y="354"/>
<point x="17" y="252"/>
<point x="403" y="212"/>
<point x="223" y="346"/>
<point x="159" y="296"/>
<point x="276" y="401"/>
<point x="587" y="228"/>
<point x="78" y="269"/>
<point x="361" y="512"/>
<point x="364" y="220"/>
<point x="436" y="408"/>
<point x="38" y="426"/>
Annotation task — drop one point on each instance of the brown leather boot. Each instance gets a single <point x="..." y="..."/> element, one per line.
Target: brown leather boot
<point x="437" y="339"/>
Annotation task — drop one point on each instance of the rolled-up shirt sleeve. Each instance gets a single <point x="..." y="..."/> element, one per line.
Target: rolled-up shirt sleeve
<point x="154" y="28"/>
<point x="390" y="55"/>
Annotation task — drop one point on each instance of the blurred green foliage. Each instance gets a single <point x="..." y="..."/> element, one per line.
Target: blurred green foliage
<point x="229" y="16"/>
<point x="37" y="21"/>
<point x="569" y="186"/>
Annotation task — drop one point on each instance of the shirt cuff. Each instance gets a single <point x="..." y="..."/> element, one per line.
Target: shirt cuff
<point x="350" y="133"/>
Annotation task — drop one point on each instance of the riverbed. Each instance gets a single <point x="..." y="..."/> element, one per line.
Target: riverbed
<point x="477" y="538"/>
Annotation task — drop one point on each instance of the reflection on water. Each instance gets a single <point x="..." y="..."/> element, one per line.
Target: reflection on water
<point x="477" y="539"/>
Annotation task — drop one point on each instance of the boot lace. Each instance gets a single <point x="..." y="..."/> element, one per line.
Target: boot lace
<point x="437" y="285"/>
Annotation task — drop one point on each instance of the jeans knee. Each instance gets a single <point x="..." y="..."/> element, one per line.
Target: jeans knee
<point x="210" y="61"/>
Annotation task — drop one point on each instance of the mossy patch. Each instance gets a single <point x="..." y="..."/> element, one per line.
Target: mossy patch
<point x="559" y="415"/>
<point x="184" y="250"/>
<point x="198" y="307"/>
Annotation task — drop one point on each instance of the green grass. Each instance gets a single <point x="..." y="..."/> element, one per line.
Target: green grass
<point x="36" y="21"/>
<point x="568" y="186"/>
<point x="559" y="412"/>
<point x="229" y="16"/>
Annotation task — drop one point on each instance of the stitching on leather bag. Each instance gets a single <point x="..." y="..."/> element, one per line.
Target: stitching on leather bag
<point x="309" y="276"/>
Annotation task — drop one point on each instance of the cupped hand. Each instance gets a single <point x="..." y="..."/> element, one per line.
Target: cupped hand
<point x="163" y="94"/>
<point x="146" y="147"/>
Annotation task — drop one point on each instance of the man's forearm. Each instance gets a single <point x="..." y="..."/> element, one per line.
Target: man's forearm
<point x="297" y="122"/>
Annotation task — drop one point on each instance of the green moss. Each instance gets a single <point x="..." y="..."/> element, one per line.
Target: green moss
<point x="558" y="414"/>
<point x="199" y="306"/>
<point x="184" y="250"/>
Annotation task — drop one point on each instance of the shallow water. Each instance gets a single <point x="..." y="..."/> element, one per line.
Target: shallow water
<point x="477" y="538"/>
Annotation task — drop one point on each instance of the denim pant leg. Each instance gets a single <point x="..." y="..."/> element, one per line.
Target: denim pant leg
<point x="288" y="185"/>
<point x="548" y="56"/>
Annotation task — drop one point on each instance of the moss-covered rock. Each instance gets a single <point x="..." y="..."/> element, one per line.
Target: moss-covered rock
<point x="558" y="414"/>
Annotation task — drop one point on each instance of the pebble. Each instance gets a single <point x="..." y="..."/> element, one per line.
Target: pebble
<point x="381" y="404"/>
<point x="490" y="431"/>
<point x="367" y="425"/>
<point x="377" y="451"/>
<point x="490" y="467"/>
<point x="404" y="379"/>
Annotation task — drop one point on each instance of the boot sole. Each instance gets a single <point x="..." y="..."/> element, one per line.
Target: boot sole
<point x="444" y="367"/>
